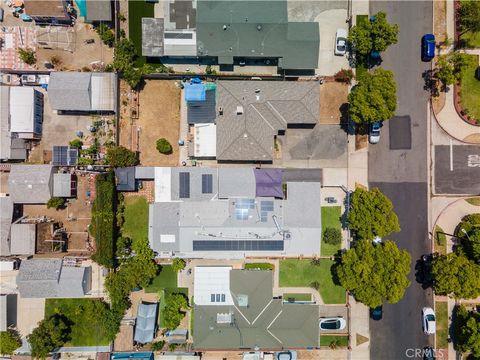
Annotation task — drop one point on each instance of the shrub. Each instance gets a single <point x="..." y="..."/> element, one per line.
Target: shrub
<point x="259" y="266"/>
<point x="27" y="56"/>
<point x="9" y="342"/>
<point x="345" y="76"/>
<point x="106" y="34"/>
<point x="163" y="146"/>
<point x="158" y="345"/>
<point x="50" y="334"/>
<point x="55" y="60"/>
<point x="332" y="236"/>
<point x="56" y="203"/>
<point x="119" y="156"/>
<point x="173" y="313"/>
<point x="178" y="264"/>
<point x="76" y="143"/>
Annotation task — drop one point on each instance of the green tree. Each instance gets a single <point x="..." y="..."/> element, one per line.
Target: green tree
<point x="132" y="76"/>
<point x="119" y="156"/>
<point x="173" y="313"/>
<point x="106" y="35"/>
<point x="50" y="334"/>
<point x="9" y="342"/>
<point x="55" y="202"/>
<point x="448" y="68"/>
<point x="76" y="143"/>
<point x="374" y="98"/>
<point x="466" y="329"/>
<point x="164" y="146"/>
<point x="124" y="55"/>
<point x="178" y="264"/>
<point x="373" y="35"/>
<point x="456" y="276"/>
<point x="332" y="236"/>
<point x="374" y="273"/>
<point x="371" y="214"/>
<point x="27" y="55"/>
<point x="469" y="16"/>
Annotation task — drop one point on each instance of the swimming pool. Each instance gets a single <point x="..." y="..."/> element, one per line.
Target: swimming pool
<point x="82" y="7"/>
<point x="132" y="355"/>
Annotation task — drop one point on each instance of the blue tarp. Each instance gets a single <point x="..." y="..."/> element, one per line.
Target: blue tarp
<point x="195" y="92"/>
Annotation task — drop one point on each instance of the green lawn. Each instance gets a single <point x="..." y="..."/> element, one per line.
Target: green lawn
<point x="441" y="311"/>
<point x="301" y="273"/>
<point x="473" y="201"/>
<point x="87" y="318"/>
<point x="440" y="243"/>
<point x="470" y="89"/>
<point x="341" y="341"/>
<point x="330" y="218"/>
<point x="138" y="9"/>
<point x="298" y="297"/>
<point x="166" y="279"/>
<point x="470" y="40"/>
<point x="136" y="218"/>
<point x="259" y="266"/>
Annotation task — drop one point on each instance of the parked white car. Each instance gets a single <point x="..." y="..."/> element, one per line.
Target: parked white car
<point x="331" y="324"/>
<point x="428" y="321"/>
<point x="341" y="42"/>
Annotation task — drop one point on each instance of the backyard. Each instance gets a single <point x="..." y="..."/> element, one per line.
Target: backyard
<point x="303" y="273"/>
<point x="136" y="218"/>
<point x="166" y="279"/>
<point x="470" y="89"/>
<point x="136" y="11"/>
<point x="330" y="219"/>
<point x="87" y="317"/>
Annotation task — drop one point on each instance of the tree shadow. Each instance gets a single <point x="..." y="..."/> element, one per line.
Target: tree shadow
<point x="345" y="123"/>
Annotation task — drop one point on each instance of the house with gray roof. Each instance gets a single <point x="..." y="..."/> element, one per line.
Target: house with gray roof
<point x="51" y="278"/>
<point x="85" y="92"/>
<point x="253" y="113"/>
<point x="235" y="309"/>
<point x="30" y="184"/>
<point x="98" y="11"/>
<point x="233" y="213"/>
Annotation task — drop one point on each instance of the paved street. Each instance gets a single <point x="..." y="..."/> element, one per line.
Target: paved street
<point x="457" y="169"/>
<point x="402" y="175"/>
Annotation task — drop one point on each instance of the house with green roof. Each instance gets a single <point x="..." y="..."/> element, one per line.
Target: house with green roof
<point x="235" y="309"/>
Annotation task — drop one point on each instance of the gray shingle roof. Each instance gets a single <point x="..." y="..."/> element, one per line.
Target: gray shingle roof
<point x="125" y="178"/>
<point x="70" y="91"/>
<point x="22" y="239"/>
<point x="30" y="184"/>
<point x="266" y="108"/>
<point x="266" y="323"/>
<point x="152" y="37"/>
<point x="99" y="10"/>
<point x="62" y="185"/>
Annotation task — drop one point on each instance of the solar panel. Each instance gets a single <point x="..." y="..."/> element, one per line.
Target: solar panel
<point x="207" y="183"/>
<point x="266" y="205"/>
<point x="264" y="216"/>
<point x="241" y="214"/>
<point x="64" y="156"/>
<point x="245" y="204"/>
<point x="237" y="245"/>
<point x="184" y="185"/>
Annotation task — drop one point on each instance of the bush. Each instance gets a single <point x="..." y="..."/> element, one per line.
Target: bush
<point x="103" y="220"/>
<point x="119" y="156"/>
<point x="158" y="345"/>
<point x="173" y="313"/>
<point x="50" y="334"/>
<point x="163" y="146"/>
<point x="178" y="264"/>
<point x="106" y="35"/>
<point x="76" y="143"/>
<point x="27" y="56"/>
<point x="56" y="203"/>
<point x="259" y="266"/>
<point x="345" y="76"/>
<point x="332" y="236"/>
<point x="9" y="342"/>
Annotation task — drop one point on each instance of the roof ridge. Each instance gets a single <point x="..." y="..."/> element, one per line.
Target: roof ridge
<point x="307" y="93"/>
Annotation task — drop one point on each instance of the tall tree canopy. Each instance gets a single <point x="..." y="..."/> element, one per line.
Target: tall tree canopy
<point x="50" y="334"/>
<point x="469" y="16"/>
<point x="9" y="342"/>
<point x="119" y="156"/>
<point x="374" y="273"/>
<point x="374" y="98"/>
<point x="371" y="214"/>
<point x="466" y="327"/>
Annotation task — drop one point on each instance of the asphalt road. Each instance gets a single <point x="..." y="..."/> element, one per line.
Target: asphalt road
<point x="457" y="169"/>
<point x="402" y="175"/>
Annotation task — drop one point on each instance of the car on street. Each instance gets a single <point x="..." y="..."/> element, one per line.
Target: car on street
<point x="376" y="313"/>
<point x="374" y="133"/>
<point x="341" y="42"/>
<point x="333" y="323"/>
<point x="286" y="355"/>
<point x="424" y="270"/>
<point x="428" y="47"/>
<point x="428" y="321"/>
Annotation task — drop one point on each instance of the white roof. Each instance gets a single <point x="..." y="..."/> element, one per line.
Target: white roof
<point x="163" y="184"/>
<point x="102" y="91"/>
<point x="212" y="280"/>
<point x="21" y="109"/>
<point x="205" y="141"/>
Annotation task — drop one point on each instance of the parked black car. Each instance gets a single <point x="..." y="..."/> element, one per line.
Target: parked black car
<point x="376" y="313"/>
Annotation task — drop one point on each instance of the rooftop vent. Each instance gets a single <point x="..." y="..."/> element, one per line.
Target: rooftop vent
<point x="239" y="110"/>
<point x="242" y="300"/>
<point x="259" y="27"/>
<point x="220" y="110"/>
<point x="224" y="27"/>
<point x="224" y="318"/>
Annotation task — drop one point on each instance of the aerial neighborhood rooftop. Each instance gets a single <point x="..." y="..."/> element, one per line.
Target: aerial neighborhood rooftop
<point x="226" y="179"/>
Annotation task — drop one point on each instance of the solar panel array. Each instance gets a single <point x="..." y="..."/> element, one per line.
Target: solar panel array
<point x="64" y="156"/>
<point x="184" y="185"/>
<point x="265" y="207"/>
<point x="242" y="207"/>
<point x="207" y="183"/>
<point x="237" y="245"/>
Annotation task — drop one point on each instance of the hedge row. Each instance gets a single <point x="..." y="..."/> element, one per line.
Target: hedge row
<point x="259" y="266"/>
<point x="103" y="226"/>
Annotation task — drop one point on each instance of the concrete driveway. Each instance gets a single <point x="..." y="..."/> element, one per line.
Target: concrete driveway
<point x="333" y="311"/>
<point x="29" y="313"/>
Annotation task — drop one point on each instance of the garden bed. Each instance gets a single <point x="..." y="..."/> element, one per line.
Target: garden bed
<point x="333" y="341"/>
<point x="330" y="219"/>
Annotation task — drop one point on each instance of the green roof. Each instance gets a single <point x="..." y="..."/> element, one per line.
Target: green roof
<point x="227" y="29"/>
<point x="266" y="322"/>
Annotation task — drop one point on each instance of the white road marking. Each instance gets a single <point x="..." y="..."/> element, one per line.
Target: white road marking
<point x="451" y="155"/>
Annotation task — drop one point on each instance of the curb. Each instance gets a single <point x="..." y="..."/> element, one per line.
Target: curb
<point x="453" y="136"/>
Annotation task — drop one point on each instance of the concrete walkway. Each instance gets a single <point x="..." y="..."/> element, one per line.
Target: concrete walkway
<point x="359" y="324"/>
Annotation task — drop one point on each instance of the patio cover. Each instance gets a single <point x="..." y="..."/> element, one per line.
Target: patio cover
<point x="269" y="182"/>
<point x="145" y="325"/>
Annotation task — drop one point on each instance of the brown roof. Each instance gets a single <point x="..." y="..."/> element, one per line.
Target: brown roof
<point x="49" y="8"/>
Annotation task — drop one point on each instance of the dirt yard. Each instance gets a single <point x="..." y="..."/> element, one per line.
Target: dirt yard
<point x="159" y="116"/>
<point x="70" y="48"/>
<point x="333" y="96"/>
